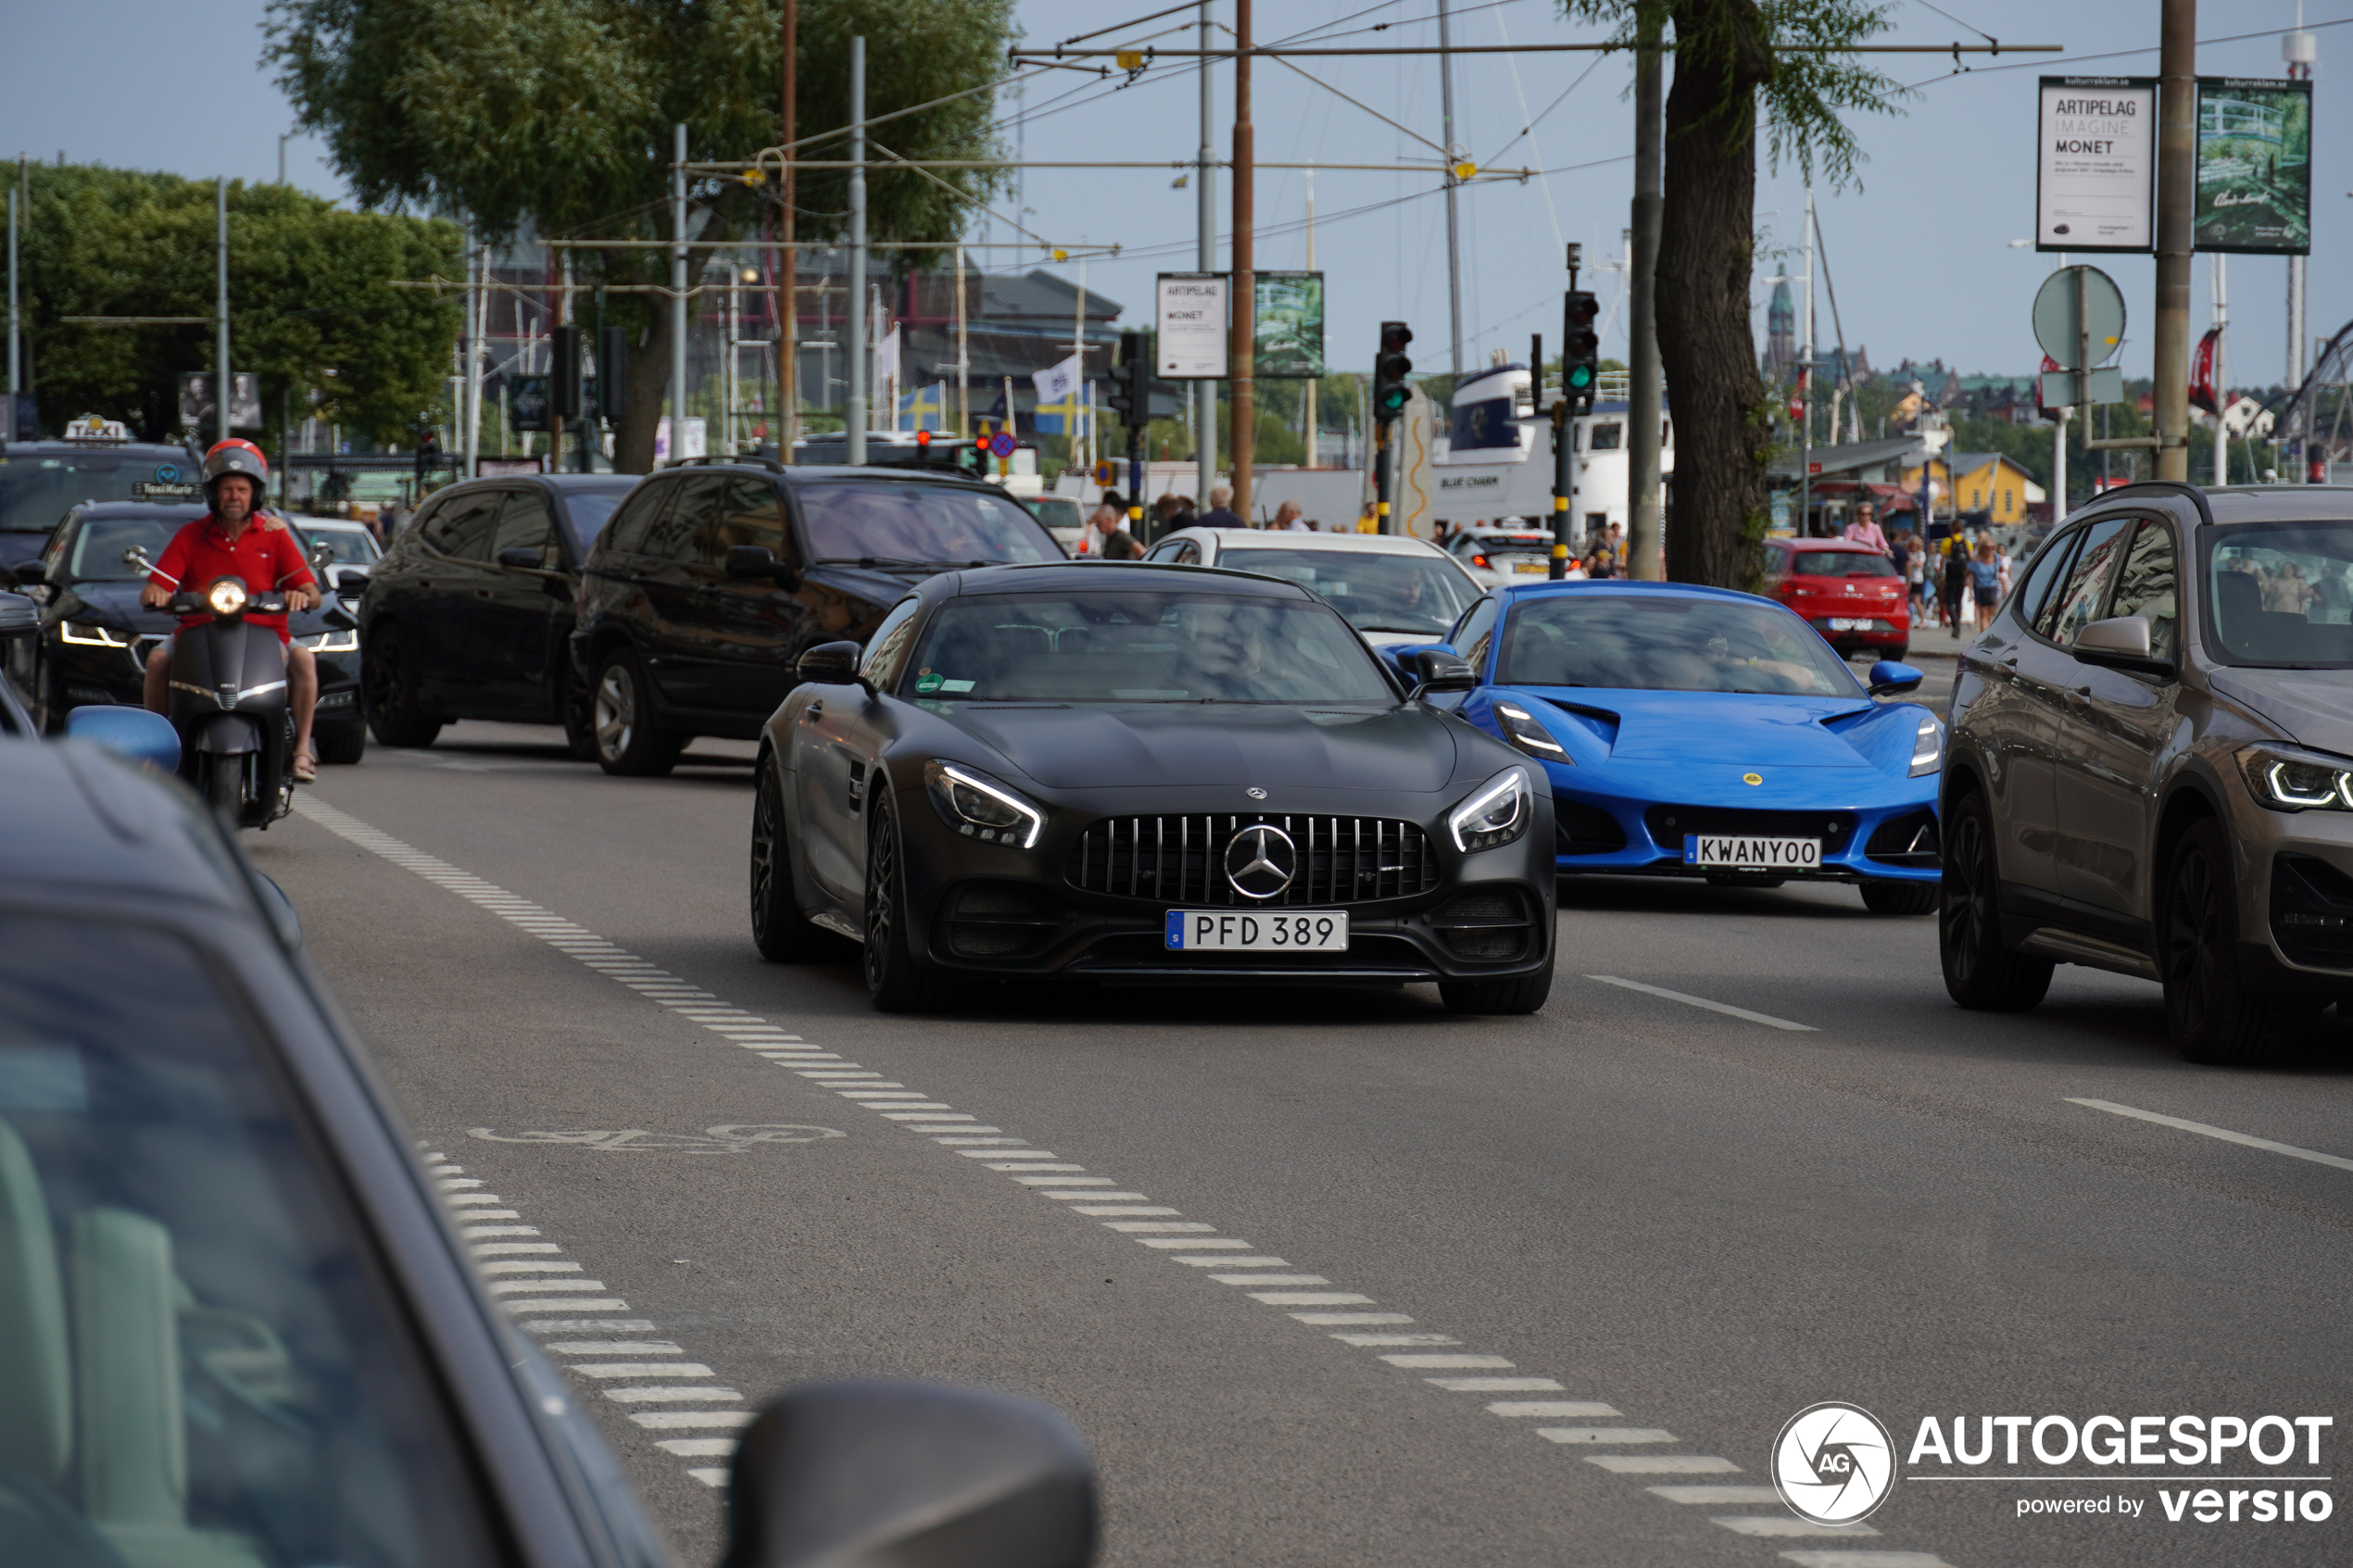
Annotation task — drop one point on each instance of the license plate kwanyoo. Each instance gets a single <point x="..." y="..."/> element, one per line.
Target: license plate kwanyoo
<point x="1752" y="854"/>
<point x="1270" y="931"/>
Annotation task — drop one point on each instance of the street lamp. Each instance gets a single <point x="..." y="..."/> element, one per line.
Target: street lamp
<point x="284" y="137"/>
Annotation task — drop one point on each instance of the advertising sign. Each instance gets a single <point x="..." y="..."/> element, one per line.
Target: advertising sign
<point x="527" y="402"/>
<point x="197" y="410"/>
<point x="1190" y="315"/>
<point x="2095" y="170"/>
<point x="1286" y="327"/>
<point x="2254" y="166"/>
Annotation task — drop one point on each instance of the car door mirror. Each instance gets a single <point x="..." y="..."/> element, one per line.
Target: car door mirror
<point x="351" y="580"/>
<point x="521" y="557"/>
<point x="20" y="617"/>
<point x="1440" y="669"/>
<point x="132" y="733"/>
<point x="2119" y="643"/>
<point x="910" y="1473"/>
<point x="827" y="664"/>
<point x="757" y="561"/>
<point x="1889" y="678"/>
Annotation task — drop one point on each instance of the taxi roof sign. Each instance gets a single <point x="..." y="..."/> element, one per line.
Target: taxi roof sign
<point x="91" y="427"/>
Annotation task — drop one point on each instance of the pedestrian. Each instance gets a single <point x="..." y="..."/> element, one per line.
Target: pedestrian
<point x="1108" y="532"/>
<point x="1916" y="571"/>
<point x="1288" y="520"/>
<point x="1614" y="541"/>
<point x="1602" y="564"/>
<point x="1114" y="507"/>
<point x="1899" y="552"/>
<point x="1986" y="583"/>
<point x="1368" y="522"/>
<point x="1166" y="511"/>
<point x="1955" y="579"/>
<point x="1865" y="529"/>
<point x="1220" y="513"/>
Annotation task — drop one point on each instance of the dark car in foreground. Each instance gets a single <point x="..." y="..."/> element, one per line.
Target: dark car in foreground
<point x="469" y="614"/>
<point x="1143" y="774"/>
<point x="40" y="482"/>
<point x="238" y="1329"/>
<point x="715" y="578"/>
<point x="2152" y="765"/>
<point x="95" y="635"/>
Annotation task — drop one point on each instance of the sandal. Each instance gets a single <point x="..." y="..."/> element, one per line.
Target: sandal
<point x="306" y="770"/>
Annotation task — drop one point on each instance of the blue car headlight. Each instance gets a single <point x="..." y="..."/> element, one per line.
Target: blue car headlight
<point x="1520" y="728"/>
<point x="1928" y="746"/>
<point x="1497" y="812"/>
<point x="978" y="807"/>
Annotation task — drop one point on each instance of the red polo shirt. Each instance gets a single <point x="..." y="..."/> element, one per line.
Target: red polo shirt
<point x="264" y="557"/>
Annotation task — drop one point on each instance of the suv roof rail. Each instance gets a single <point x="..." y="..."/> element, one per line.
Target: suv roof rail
<point x="2164" y="486"/>
<point x="748" y="460"/>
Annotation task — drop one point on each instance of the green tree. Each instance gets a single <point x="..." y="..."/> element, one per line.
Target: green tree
<point x="1735" y="63"/>
<point x="310" y="311"/>
<point x="559" y="113"/>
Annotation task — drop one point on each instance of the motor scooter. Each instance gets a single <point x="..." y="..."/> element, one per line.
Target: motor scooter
<point x="229" y="700"/>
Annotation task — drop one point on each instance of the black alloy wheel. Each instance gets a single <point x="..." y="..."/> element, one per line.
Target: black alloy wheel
<point x="779" y="930"/>
<point x="388" y="691"/>
<point x="621" y="721"/>
<point x="1889" y="896"/>
<point x="2211" y="1013"/>
<point x="1979" y="973"/>
<point x="575" y="710"/>
<point x="342" y="746"/>
<point x="1520" y="994"/>
<point x="895" y="981"/>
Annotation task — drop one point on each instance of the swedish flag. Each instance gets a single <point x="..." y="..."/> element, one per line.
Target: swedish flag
<point x="925" y="408"/>
<point x="1067" y="417"/>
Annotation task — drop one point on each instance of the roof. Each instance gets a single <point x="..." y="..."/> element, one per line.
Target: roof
<point x="1969" y="462"/>
<point x="1811" y="545"/>
<point x="1237" y="539"/>
<point x="1829" y="460"/>
<point x="81" y="820"/>
<point x="1052" y="577"/>
<point x="1626" y="585"/>
<point x="142" y="508"/>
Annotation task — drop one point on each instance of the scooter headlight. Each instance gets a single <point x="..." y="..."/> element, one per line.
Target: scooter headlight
<point x="226" y="596"/>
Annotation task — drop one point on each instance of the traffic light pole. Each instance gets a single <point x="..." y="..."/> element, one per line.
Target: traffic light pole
<point x="1380" y="474"/>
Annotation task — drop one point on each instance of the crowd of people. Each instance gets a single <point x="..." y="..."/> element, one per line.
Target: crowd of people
<point x="1959" y="575"/>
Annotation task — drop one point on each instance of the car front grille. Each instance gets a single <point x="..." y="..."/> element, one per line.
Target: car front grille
<point x="1908" y="840"/>
<point x="1669" y="824"/>
<point x="1180" y="859"/>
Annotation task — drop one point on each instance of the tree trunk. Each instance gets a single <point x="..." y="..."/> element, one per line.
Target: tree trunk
<point x="1705" y="251"/>
<point x="633" y="447"/>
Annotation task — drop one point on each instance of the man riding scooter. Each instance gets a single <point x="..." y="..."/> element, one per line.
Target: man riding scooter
<point x="237" y="540"/>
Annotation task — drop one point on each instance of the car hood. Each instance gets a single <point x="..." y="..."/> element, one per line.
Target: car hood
<point x="1193" y="744"/>
<point x="1678" y="728"/>
<point x="2315" y="706"/>
<point x="116" y="604"/>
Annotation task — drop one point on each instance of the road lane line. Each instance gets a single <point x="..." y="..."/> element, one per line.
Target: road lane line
<point x="1725" y="1008"/>
<point x="2204" y="1130"/>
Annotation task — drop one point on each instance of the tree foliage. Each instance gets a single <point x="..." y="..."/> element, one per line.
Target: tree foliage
<point x="558" y="115"/>
<point x="308" y="310"/>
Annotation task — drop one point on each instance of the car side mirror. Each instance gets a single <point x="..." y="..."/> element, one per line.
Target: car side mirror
<point x="20" y="617"/>
<point x="351" y="580"/>
<point x="1441" y="669"/>
<point x="757" y="561"/>
<point x="909" y="1473"/>
<point x="132" y="733"/>
<point x="25" y="575"/>
<point x="828" y="664"/>
<point x="521" y="557"/>
<point x="2119" y="643"/>
<point x="1889" y="678"/>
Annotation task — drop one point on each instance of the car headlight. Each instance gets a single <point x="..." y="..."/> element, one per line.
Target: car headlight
<point x="2287" y="780"/>
<point x="978" y="807"/>
<point x="1520" y="728"/>
<point x="226" y="596"/>
<point x="1927" y="747"/>
<point x="1497" y="812"/>
<point x="344" y="641"/>
<point x="93" y="636"/>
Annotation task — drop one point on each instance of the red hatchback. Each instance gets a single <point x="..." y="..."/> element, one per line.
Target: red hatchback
<point x="1852" y="597"/>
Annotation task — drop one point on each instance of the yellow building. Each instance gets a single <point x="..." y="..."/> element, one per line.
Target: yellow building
<point x="1987" y="483"/>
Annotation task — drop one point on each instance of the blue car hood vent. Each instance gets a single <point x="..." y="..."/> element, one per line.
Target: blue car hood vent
<point x="1676" y="728"/>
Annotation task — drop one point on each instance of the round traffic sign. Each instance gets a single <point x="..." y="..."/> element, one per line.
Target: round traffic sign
<point x="1002" y="444"/>
<point x="1104" y="473"/>
<point x="2072" y="301"/>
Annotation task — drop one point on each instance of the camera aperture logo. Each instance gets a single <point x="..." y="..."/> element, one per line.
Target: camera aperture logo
<point x="1833" y="1464"/>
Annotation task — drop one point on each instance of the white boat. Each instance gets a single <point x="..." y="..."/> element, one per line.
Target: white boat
<point x="1496" y="461"/>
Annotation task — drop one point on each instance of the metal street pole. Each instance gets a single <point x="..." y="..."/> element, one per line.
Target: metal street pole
<point x="854" y="319"/>
<point x="788" y="264"/>
<point x="2176" y="193"/>
<point x="2222" y="382"/>
<point x="964" y="359"/>
<point x="1308" y="415"/>
<point x="1453" y="222"/>
<point x="677" y="302"/>
<point x="222" y="384"/>
<point x="16" y="382"/>
<point x="1242" y="293"/>
<point x="1645" y="519"/>
<point x="1205" y="260"/>
<point x="477" y="306"/>
<point x="1805" y="387"/>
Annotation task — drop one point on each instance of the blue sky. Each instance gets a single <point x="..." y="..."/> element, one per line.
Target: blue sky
<point x="1919" y="253"/>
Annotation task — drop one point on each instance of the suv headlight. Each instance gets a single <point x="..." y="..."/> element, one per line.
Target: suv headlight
<point x="1497" y="812"/>
<point x="1520" y="728"/>
<point x="2285" y="779"/>
<point x="978" y="807"/>
<point x="1927" y="747"/>
<point x="93" y="636"/>
<point x="344" y="641"/>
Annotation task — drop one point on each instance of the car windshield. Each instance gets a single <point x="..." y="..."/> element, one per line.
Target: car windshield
<point x="346" y="546"/>
<point x="584" y="513"/>
<point x="1667" y="643"/>
<point x="1840" y="563"/>
<point x="1142" y="646"/>
<point x="1056" y="511"/>
<point x="200" y="1366"/>
<point x="94" y="546"/>
<point x="1375" y="590"/>
<point x="38" y="489"/>
<point x="2283" y="592"/>
<point x="1508" y="543"/>
<point x="920" y="524"/>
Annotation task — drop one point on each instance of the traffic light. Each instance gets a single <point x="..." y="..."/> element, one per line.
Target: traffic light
<point x="1130" y="396"/>
<point x="612" y="373"/>
<point x="1389" y="369"/>
<point x="563" y="377"/>
<point x="1580" y="346"/>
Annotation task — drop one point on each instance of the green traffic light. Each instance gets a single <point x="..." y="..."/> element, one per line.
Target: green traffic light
<point x="1394" y="398"/>
<point x="1581" y="377"/>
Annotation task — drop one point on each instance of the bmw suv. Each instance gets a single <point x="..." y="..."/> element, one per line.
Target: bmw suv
<point x="2151" y="766"/>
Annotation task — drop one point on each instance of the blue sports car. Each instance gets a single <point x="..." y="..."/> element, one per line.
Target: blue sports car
<point x="1697" y="731"/>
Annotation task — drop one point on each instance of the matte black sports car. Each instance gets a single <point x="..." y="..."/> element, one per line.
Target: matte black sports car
<point x="1144" y="773"/>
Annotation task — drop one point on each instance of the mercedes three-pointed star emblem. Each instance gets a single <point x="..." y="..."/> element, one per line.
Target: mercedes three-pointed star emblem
<point x="1261" y="860"/>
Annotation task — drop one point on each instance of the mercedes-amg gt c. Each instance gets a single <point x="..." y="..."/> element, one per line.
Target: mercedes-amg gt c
<point x="1144" y="773"/>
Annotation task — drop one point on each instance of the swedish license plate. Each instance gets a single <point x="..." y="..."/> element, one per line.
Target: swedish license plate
<point x="1255" y="930"/>
<point x="1752" y="854"/>
<point x="1531" y="568"/>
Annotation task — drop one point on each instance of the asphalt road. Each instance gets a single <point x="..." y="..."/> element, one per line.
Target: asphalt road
<point x="1663" y="1229"/>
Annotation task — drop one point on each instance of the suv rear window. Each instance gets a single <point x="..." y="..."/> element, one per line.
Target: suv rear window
<point x="921" y="524"/>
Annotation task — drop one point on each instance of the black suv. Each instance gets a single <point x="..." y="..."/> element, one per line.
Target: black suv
<point x="42" y="481"/>
<point x="467" y="615"/>
<point x="715" y="578"/>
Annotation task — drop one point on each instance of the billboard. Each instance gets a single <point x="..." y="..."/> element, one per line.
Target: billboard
<point x="1287" y="326"/>
<point x="1189" y="317"/>
<point x="2095" y="167"/>
<point x="2254" y="166"/>
<point x="197" y="408"/>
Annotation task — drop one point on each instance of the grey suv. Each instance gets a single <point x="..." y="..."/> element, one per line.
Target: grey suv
<point x="2151" y="765"/>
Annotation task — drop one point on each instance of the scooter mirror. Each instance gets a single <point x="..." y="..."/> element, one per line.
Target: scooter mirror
<point x="132" y="733"/>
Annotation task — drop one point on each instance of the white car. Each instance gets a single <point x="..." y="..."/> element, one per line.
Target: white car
<point x="1503" y="556"/>
<point x="1390" y="588"/>
<point x="336" y="545"/>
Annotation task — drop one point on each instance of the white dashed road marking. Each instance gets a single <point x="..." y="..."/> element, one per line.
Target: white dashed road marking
<point x="2247" y="1139"/>
<point x="1725" y="1007"/>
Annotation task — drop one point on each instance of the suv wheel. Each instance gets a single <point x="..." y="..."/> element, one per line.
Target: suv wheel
<point x="621" y="721"/>
<point x="1979" y="973"/>
<point x="894" y="979"/>
<point x="388" y="690"/>
<point x="2212" y="1014"/>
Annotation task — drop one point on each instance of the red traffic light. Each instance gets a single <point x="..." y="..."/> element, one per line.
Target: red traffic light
<point x="923" y="438"/>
